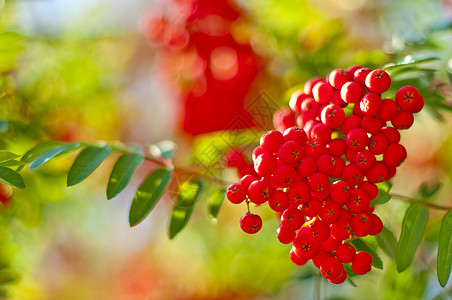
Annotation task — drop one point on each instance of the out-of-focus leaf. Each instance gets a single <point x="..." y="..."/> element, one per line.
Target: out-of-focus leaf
<point x="86" y="162"/>
<point x="122" y="173"/>
<point x="6" y="156"/>
<point x="409" y="61"/>
<point x="215" y="201"/>
<point x="4" y="126"/>
<point x="350" y="274"/>
<point x="148" y="194"/>
<point x="382" y="198"/>
<point x="48" y="155"/>
<point x="11" y="177"/>
<point x="401" y="71"/>
<point x="387" y="242"/>
<point x="9" y="49"/>
<point x="37" y="151"/>
<point x="385" y="186"/>
<point x="361" y="245"/>
<point x="412" y="228"/>
<point x="189" y="193"/>
<point x="12" y="163"/>
<point x="428" y="191"/>
<point x="163" y="149"/>
<point x="8" y="276"/>
<point x="445" y="250"/>
<point x="432" y="228"/>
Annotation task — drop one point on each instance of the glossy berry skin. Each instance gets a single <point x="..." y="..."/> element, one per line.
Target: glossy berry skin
<point x="378" y="81"/>
<point x="341" y="230"/>
<point x="370" y="189"/>
<point x="336" y="147"/>
<point x="284" y="175"/>
<point x="351" y="92"/>
<point x="307" y="166"/>
<point x="310" y="84"/>
<point x="377" y="224"/>
<point x="292" y="218"/>
<point x="389" y="110"/>
<point x="337" y="78"/>
<point x="362" y="263"/>
<point x="360" y="75"/>
<point x="321" y="133"/>
<point x="259" y="191"/>
<point x="319" y="231"/>
<point x="250" y="223"/>
<point x="378" y="173"/>
<point x="309" y="108"/>
<point x="332" y="115"/>
<point x="331" y="268"/>
<point x="236" y="193"/>
<point x="290" y="152"/>
<point x="284" y="118"/>
<point x="319" y="184"/>
<point x="271" y="141"/>
<point x="312" y="207"/>
<point x="357" y="139"/>
<point x="326" y="164"/>
<point x="322" y="92"/>
<point x="246" y="180"/>
<point x="265" y="164"/>
<point x="340" y="279"/>
<point x="370" y="104"/>
<point x="285" y="235"/>
<point x="352" y="174"/>
<point x="340" y="191"/>
<point x="392" y="135"/>
<point x="346" y="253"/>
<point x="295" y="134"/>
<point x="359" y="202"/>
<point x="296" y="99"/>
<point x="407" y="98"/>
<point x="365" y="159"/>
<point x="279" y="201"/>
<point x="403" y="120"/>
<point x="361" y="224"/>
<point x="351" y="122"/>
<point x="330" y="244"/>
<point x="378" y="144"/>
<point x="394" y="155"/>
<point x="372" y="125"/>
<point x="299" y="193"/>
<point x="330" y="212"/>
<point x="305" y="247"/>
<point x="321" y="256"/>
<point x="296" y="259"/>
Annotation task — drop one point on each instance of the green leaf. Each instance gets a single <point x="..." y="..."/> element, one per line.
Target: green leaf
<point x="445" y="250"/>
<point x="428" y="191"/>
<point x="148" y="194"/>
<point x="8" y="276"/>
<point x="361" y="245"/>
<point x="189" y="193"/>
<point x="215" y="201"/>
<point x="122" y="173"/>
<point x="163" y="149"/>
<point x="409" y="61"/>
<point x="86" y="162"/>
<point x="382" y="198"/>
<point x="11" y="177"/>
<point x="37" y="151"/>
<point x="350" y="274"/>
<point x="12" y="163"/>
<point x="6" y="156"/>
<point x="4" y="126"/>
<point x="387" y="242"/>
<point x="48" y="155"/>
<point x="412" y="228"/>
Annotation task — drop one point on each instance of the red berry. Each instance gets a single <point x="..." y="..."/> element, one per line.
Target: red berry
<point x="370" y="189"/>
<point x="290" y="153"/>
<point x="305" y="247"/>
<point x="321" y="133"/>
<point x="341" y="230"/>
<point x="365" y="159"/>
<point x="284" y="175"/>
<point x="360" y="75"/>
<point x="326" y="164"/>
<point x="336" y="147"/>
<point x="352" y="174"/>
<point x="310" y="84"/>
<point x="372" y="125"/>
<point x="292" y="218"/>
<point x="279" y="201"/>
<point x="370" y="104"/>
<point x="336" y="99"/>
<point x="340" y="279"/>
<point x="312" y="207"/>
<point x="339" y="165"/>
<point x="353" y="69"/>
<point x="319" y="184"/>
<point x="351" y="122"/>
<point x="285" y="235"/>
<point x="299" y="193"/>
<point x="378" y="173"/>
<point x="307" y="166"/>
<point x="265" y="164"/>
<point x="377" y="224"/>
<point x="331" y="268"/>
<point x="378" y="81"/>
<point x="337" y="78"/>
<point x="378" y="144"/>
<point x="314" y="149"/>
<point x="322" y="92"/>
<point x="350" y="155"/>
<point x="419" y="105"/>
<point x="309" y="109"/>
<point x="234" y="158"/>
<point x="359" y="201"/>
<point x="319" y="231"/>
<point x="271" y="141"/>
<point x="357" y="139"/>
<point x="250" y="223"/>
<point x="246" y="180"/>
<point x="332" y="115"/>
<point x="403" y="120"/>
<point x="394" y="155"/>
<point x="296" y="99"/>
<point x="391" y="134"/>
<point x="361" y="224"/>
<point x="296" y="259"/>
<point x="346" y="253"/>
<point x="320" y="258"/>
<point x="259" y="191"/>
<point x="257" y="151"/>
<point x="295" y="134"/>
<point x="351" y="92"/>
<point x="362" y="263"/>
<point x="330" y="212"/>
<point x="407" y="98"/>
<point x="283" y="119"/>
<point x="340" y="191"/>
<point x="389" y="110"/>
<point x="330" y="244"/>
<point x="236" y="193"/>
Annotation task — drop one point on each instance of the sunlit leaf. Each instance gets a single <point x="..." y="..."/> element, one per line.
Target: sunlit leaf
<point x="6" y="156"/>
<point x="387" y="242"/>
<point x="409" y="61"/>
<point x="48" y="155"/>
<point x="412" y="228"/>
<point x="38" y="150"/>
<point x="444" y="264"/>
<point x="163" y="149"/>
<point x="382" y="198"/>
<point x="11" y="177"/>
<point x="148" y="194"/>
<point x="189" y="193"/>
<point x="215" y="201"/>
<point x="122" y="173"/>
<point x="361" y="245"/>
<point x="86" y="162"/>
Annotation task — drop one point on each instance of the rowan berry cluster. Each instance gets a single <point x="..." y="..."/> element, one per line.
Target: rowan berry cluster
<point x="319" y="169"/>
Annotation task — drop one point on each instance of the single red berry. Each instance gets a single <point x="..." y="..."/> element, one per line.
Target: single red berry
<point x="378" y="143"/>
<point x="299" y="193"/>
<point x="309" y="109"/>
<point x="351" y="92"/>
<point x="340" y="279"/>
<point x="340" y="191"/>
<point x="319" y="184"/>
<point x="370" y="104"/>
<point x="321" y="133"/>
<point x="391" y="134"/>
<point x="283" y="119"/>
<point x="320" y="258"/>
<point x="419" y="105"/>
<point x="359" y="202"/>
<point x="370" y="188"/>
<point x="319" y="231"/>
<point x="257" y="151"/>
<point x="330" y="244"/>
<point x="357" y="110"/>
<point x="353" y="69"/>
<point x="339" y="165"/>
<point x="308" y="125"/>
<point x="346" y="253"/>
<point x="362" y="263"/>
<point x="378" y="173"/>
<point x="337" y="99"/>
<point x="360" y="75"/>
<point x="285" y="235"/>
<point x="312" y="207"/>
<point x="271" y="141"/>
<point x="345" y="215"/>
<point x="314" y="149"/>
<point x="296" y="259"/>
<point x="394" y="155"/>
<point x="307" y="166"/>
<point x="250" y="223"/>
<point x="279" y="201"/>
<point x="246" y="169"/>
<point x="330" y="212"/>
<point x="372" y="125"/>
<point x="326" y="164"/>
<point x="357" y="139"/>
<point x="365" y="159"/>
<point x="337" y="78"/>
<point x="265" y="164"/>
<point x="234" y="158"/>
<point x="336" y="147"/>
<point x="341" y="230"/>
<point x="236" y="193"/>
<point x="378" y="81"/>
<point x="331" y="268"/>
<point x="290" y="153"/>
<point x="292" y="218"/>
<point x="322" y="92"/>
<point x="351" y="122"/>
<point x="284" y="175"/>
<point x="259" y="191"/>
<point x="246" y="180"/>
<point x="403" y="120"/>
<point x="391" y="172"/>
<point x="361" y="224"/>
<point x="407" y="98"/>
<point x="332" y="115"/>
<point x="377" y="224"/>
<point x="352" y="174"/>
<point x="389" y="110"/>
<point x="305" y="247"/>
<point x="295" y="134"/>
<point x="310" y="84"/>
<point x="350" y="155"/>
<point x="296" y="99"/>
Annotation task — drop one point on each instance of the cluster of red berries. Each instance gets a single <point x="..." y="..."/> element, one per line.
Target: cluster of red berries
<point x="320" y="168"/>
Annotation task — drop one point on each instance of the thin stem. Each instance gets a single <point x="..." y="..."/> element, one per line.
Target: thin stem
<point x="247" y="206"/>
<point x="318" y="287"/>
<point x="428" y="204"/>
<point x="351" y="239"/>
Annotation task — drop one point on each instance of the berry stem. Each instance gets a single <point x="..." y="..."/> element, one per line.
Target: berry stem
<point x="428" y="204"/>
<point x="351" y="239"/>
<point x="247" y="206"/>
<point x="318" y="287"/>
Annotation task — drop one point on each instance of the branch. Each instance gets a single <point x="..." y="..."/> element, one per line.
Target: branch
<point x="428" y="204"/>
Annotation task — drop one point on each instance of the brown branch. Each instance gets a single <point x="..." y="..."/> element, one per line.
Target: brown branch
<point x="428" y="204"/>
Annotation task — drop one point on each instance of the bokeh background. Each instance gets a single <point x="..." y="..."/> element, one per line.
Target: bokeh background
<point x="191" y="71"/>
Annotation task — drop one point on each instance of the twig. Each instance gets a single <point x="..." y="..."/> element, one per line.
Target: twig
<point x="428" y="204"/>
